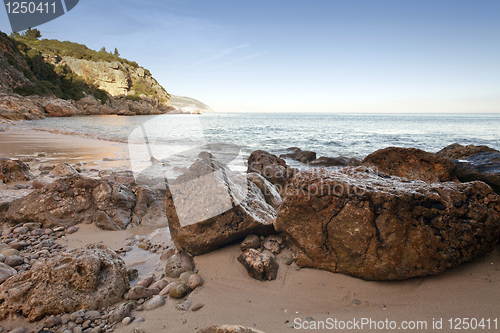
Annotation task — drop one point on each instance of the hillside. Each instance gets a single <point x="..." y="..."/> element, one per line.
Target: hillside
<point x="189" y="104"/>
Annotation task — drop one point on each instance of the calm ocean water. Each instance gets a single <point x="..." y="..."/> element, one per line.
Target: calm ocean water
<point x="327" y="134"/>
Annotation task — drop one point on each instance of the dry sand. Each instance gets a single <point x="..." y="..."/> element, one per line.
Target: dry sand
<point x="230" y="296"/>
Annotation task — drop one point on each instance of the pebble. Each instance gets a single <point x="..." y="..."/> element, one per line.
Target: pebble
<point x="2" y="257"/>
<point x="14" y="260"/>
<point x="19" y="330"/>
<point x="179" y="291"/>
<point x="165" y="291"/>
<point x="77" y="329"/>
<point x="146" y="281"/>
<point x="356" y="301"/>
<point x="138" y="320"/>
<point x="21" y="186"/>
<point x="154" y="303"/>
<point x="126" y="320"/>
<point x="196" y="307"/>
<point x="194" y="281"/>
<point x="159" y="284"/>
<point x="20" y="230"/>
<point x="75" y="315"/>
<point x="250" y="242"/>
<point x="184" y="277"/>
<point x="71" y="230"/>
<point x="93" y="314"/>
<point x="18" y="245"/>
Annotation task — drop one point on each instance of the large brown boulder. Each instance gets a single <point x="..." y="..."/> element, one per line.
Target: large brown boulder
<point x="412" y="163"/>
<point x="379" y="227"/>
<point x="271" y="167"/>
<point x="14" y="170"/>
<point x="87" y="278"/>
<point x="60" y="109"/>
<point x="209" y="206"/>
<point x="78" y="199"/>
<point x="475" y="163"/>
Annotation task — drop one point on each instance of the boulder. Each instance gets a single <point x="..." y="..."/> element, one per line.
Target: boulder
<point x="412" y="163"/>
<point x="300" y="155"/>
<point x="260" y="266"/>
<point x="14" y="170"/>
<point x="88" y="278"/>
<point x="208" y="207"/>
<point x="271" y="167"/>
<point x="60" y="109"/>
<point x="78" y="199"/>
<point x="178" y="264"/>
<point x="377" y="227"/>
<point x="269" y="191"/>
<point x="475" y="163"/>
<point x="340" y="161"/>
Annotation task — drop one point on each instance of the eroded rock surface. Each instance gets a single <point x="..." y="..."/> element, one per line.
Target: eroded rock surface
<point x="14" y="170"/>
<point x="260" y="265"/>
<point x="271" y="167"/>
<point x="378" y="227"/>
<point x="87" y="278"/>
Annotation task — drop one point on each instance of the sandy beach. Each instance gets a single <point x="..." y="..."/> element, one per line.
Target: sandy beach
<point x="230" y="296"/>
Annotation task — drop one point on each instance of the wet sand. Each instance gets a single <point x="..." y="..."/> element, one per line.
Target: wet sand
<point x="230" y="296"/>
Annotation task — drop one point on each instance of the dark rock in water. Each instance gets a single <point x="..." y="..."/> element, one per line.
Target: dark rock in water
<point x="412" y="163"/>
<point x="77" y="199"/>
<point x="269" y="191"/>
<point x="378" y="227"/>
<point x="475" y="163"/>
<point x="209" y="206"/>
<point x="300" y="155"/>
<point x="87" y="278"/>
<point x="178" y="264"/>
<point x="228" y="329"/>
<point x="271" y="167"/>
<point x="260" y="266"/>
<point x="14" y="171"/>
<point x="335" y="161"/>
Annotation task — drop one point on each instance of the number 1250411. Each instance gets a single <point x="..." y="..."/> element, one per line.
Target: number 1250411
<point x="30" y="7"/>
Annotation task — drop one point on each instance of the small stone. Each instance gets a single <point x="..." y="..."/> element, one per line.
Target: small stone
<point x="139" y="308"/>
<point x="260" y="266"/>
<point x="10" y="252"/>
<point x="178" y="264"/>
<point x="167" y="254"/>
<point x="154" y="303"/>
<point x="18" y="245"/>
<point x="76" y="315"/>
<point x="77" y="329"/>
<point x="19" y="330"/>
<point x="14" y="261"/>
<point x="6" y="272"/>
<point x="126" y="320"/>
<point x="159" y="284"/>
<point x="48" y="231"/>
<point x="356" y="301"/>
<point x="71" y="230"/>
<point x="179" y="291"/>
<point x="195" y="280"/>
<point x="138" y="320"/>
<point x="2" y="258"/>
<point x="146" y="281"/>
<point x="138" y="292"/>
<point x="143" y="246"/>
<point x="52" y="321"/>
<point x="166" y="291"/>
<point x="197" y="307"/>
<point x="122" y="311"/>
<point x="20" y="230"/>
<point x="250" y="242"/>
<point x="127" y="248"/>
<point x="184" y="277"/>
<point x="92" y="314"/>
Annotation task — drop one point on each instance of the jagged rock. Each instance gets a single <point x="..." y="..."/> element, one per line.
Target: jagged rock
<point x="412" y="163"/>
<point x="15" y="107"/>
<point x="260" y="266"/>
<point x="178" y="264"/>
<point x="72" y="200"/>
<point x="148" y="210"/>
<point x="271" y="167"/>
<point x="63" y="170"/>
<point x="14" y="170"/>
<point x="228" y="329"/>
<point x="87" y="278"/>
<point x="300" y="155"/>
<point x="269" y="191"/>
<point x="378" y="227"/>
<point x="60" y="109"/>
<point x="6" y="272"/>
<point x="334" y="161"/>
<point x="122" y="311"/>
<point x="208" y="207"/>
<point x="475" y="163"/>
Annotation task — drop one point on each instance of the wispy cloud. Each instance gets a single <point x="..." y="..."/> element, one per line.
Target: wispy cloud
<point x="230" y="62"/>
<point x="216" y="56"/>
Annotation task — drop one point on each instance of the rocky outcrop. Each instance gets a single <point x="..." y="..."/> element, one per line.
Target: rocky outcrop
<point x="412" y="163"/>
<point x="376" y="227"/>
<point x="300" y="155"/>
<point x="14" y="170"/>
<point x="271" y="167"/>
<point x="87" y="278"/>
<point x="77" y="199"/>
<point x="208" y="207"/>
<point x="475" y="163"/>
<point x="10" y="76"/>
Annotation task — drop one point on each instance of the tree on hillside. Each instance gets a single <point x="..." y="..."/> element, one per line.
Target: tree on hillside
<point x="103" y="49"/>
<point x="32" y="34"/>
<point x="116" y="53"/>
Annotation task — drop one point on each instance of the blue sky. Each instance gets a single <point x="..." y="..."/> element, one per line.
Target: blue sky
<point x="298" y="56"/>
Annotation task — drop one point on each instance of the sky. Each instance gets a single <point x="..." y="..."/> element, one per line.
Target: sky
<point x="304" y="56"/>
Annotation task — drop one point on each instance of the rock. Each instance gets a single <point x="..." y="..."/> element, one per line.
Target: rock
<point x="154" y="303"/>
<point x="122" y="311"/>
<point x="14" y="261"/>
<point x="167" y="254"/>
<point x="250" y="242"/>
<point x="92" y="314"/>
<point x="63" y="170"/>
<point x="378" y="227"/>
<point x="300" y="155"/>
<point x="60" y="110"/>
<point x="334" y="161"/>
<point x="209" y="206"/>
<point x="159" y="284"/>
<point x="18" y="245"/>
<point x="269" y="191"/>
<point x="19" y="330"/>
<point x="194" y="281"/>
<point x="412" y="163"/>
<point x="271" y="167"/>
<point x="126" y="321"/>
<point x="184" y="277"/>
<point x="146" y="281"/>
<point x="273" y="244"/>
<point x="89" y="278"/>
<point x="475" y="163"/>
<point x="75" y="315"/>
<point x="228" y="329"/>
<point x="20" y="230"/>
<point x="138" y="292"/>
<point x="2" y="258"/>
<point x="10" y="252"/>
<point x="260" y="266"/>
<point x="178" y="264"/>
<point x="6" y="272"/>
<point x="166" y="291"/>
<point x="71" y="230"/>
<point x="73" y="200"/>
<point x="179" y="291"/>
<point x="14" y="171"/>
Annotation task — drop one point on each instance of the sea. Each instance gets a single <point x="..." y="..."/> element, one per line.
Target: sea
<point x="182" y="137"/>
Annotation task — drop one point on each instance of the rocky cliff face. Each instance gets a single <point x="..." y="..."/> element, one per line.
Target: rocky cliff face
<point x="10" y="76"/>
<point x="117" y="79"/>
